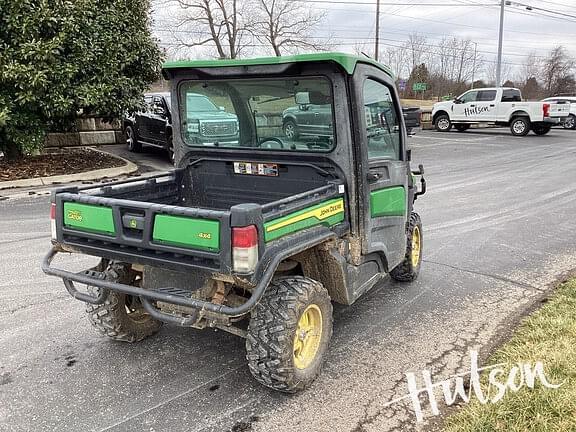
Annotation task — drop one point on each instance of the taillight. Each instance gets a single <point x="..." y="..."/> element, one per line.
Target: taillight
<point x="546" y="109"/>
<point x="53" y="220"/>
<point x="244" y="249"/>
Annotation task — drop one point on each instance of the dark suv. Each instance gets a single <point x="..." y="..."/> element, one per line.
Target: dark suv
<point x="151" y="126"/>
<point x="205" y="123"/>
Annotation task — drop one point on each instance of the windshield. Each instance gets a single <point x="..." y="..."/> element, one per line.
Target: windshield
<point x="196" y="103"/>
<point x="267" y="114"/>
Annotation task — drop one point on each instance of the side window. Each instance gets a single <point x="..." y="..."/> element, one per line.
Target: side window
<point x="381" y="121"/>
<point x="469" y="97"/>
<point x="486" y="95"/>
<point x="510" y="95"/>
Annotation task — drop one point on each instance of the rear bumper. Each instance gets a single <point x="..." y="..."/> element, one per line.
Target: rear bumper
<point x="285" y="247"/>
<point x="554" y="120"/>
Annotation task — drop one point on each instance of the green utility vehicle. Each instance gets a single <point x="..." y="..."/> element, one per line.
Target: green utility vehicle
<point x="257" y="236"/>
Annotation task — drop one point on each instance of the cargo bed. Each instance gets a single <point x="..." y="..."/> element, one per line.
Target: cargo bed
<point x="181" y="219"/>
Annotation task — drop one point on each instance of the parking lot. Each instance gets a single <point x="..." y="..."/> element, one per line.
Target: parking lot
<point x="498" y="231"/>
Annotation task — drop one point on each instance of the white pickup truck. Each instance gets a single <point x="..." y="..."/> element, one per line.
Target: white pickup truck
<point x="570" y="121"/>
<point x="499" y="106"/>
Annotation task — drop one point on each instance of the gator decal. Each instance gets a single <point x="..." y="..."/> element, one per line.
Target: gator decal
<point x="388" y="202"/>
<point x="327" y="213"/>
<point x="187" y="232"/>
<point x="89" y="218"/>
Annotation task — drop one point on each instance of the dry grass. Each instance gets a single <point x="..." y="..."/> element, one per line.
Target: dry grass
<point x="548" y="335"/>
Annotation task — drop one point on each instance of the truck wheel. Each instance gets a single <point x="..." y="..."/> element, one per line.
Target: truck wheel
<point x="408" y="270"/>
<point x="443" y="123"/>
<point x="541" y="129"/>
<point x="570" y="122"/>
<point x="132" y="140"/>
<point x="121" y="317"/>
<point x="290" y="130"/>
<point x="288" y="334"/>
<point x="520" y="126"/>
<point x="462" y="127"/>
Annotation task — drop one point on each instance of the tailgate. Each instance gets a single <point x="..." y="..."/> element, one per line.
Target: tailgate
<point x="559" y="109"/>
<point x="142" y="232"/>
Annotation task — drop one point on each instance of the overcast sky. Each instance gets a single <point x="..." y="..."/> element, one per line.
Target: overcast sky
<point x="353" y="21"/>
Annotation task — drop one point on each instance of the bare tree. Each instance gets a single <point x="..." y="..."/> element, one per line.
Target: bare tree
<point x="557" y="70"/>
<point x="397" y="59"/>
<point x="287" y="26"/>
<point x="220" y="24"/>
<point x="505" y="74"/>
<point x="418" y="48"/>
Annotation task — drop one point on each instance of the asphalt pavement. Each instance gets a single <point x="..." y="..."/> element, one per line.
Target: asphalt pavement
<point x="499" y="230"/>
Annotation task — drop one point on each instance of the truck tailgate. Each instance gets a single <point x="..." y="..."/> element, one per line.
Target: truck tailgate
<point x="559" y="109"/>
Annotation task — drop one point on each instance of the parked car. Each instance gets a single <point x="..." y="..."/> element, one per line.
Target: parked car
<point x="501" y="106"/>
<point x="570" y="121"/>
<point x="315" y="120"/>
<point x="412" y="116"/>
<point x="152" y="126"/>
<point x="204" y="123"/>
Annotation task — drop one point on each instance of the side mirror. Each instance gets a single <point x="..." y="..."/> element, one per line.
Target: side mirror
<point x="303" y="107"/>
<point x="457" y="101"/>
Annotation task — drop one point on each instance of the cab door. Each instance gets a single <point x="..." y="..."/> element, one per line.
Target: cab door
<point x="382" y="166"/>
<point x="463" y="109"/>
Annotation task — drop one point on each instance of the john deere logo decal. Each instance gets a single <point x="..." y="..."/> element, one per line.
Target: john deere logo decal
<point x="74" y="215"/>
<point x="133" y="223"/>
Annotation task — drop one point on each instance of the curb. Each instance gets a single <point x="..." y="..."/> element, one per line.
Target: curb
<point x="127" y="168"/>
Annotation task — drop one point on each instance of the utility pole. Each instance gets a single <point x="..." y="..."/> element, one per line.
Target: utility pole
<point x="376" y="39"/>
<point x="500" y="35"/>
<point x="474" y="62"/>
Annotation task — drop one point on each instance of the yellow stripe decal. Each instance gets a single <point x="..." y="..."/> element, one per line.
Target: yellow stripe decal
<point x="319" y="213"/>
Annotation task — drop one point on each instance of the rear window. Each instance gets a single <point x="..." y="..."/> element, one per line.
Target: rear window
<point x="511" y="95"/>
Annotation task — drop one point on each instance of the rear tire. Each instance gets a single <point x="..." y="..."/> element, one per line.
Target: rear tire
<point x="132" y="140"/>
<point x="443" y="123"/>
<point x="462" y="127"/>
<point x="570" y="122"/>
<point x="541" y="129"/>
<point x="289" y="332"/>
<point x="408" y="270"/>
<point x="520" y="126"/>
<point x="121" y="317"/>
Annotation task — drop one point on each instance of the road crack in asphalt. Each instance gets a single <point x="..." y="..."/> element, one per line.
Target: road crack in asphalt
<point x="170" y="399"/>
<point x="489" y="275"/>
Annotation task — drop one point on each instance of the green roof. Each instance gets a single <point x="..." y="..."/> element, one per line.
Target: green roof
<point x="347" y="61"/>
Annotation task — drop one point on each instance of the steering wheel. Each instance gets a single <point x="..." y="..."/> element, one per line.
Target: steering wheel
<point x="271" y="139"/>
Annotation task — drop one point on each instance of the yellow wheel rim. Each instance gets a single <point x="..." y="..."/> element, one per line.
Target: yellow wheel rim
<point x="307" y="337"/>
<point x="416" y="246"/>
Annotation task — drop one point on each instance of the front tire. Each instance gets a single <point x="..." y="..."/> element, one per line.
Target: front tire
<point x="409" y="268"/>
<point x="291" y="130"/>
<point x="443" y="123"/>
<point x="121" y="317"/>
<point x="570" y="122"/>
<point x="289" y="333"/>
<point x="132" y="140"/>
<point x="520" y="126"/>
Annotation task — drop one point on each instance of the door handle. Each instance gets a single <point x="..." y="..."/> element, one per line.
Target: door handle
<point x="373" y="177"/>
<point x="472" y="105"/>
<point x="491" y="105"/>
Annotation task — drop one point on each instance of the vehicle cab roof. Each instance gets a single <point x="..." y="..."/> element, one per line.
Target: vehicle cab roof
<point x="346" y="61"/>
